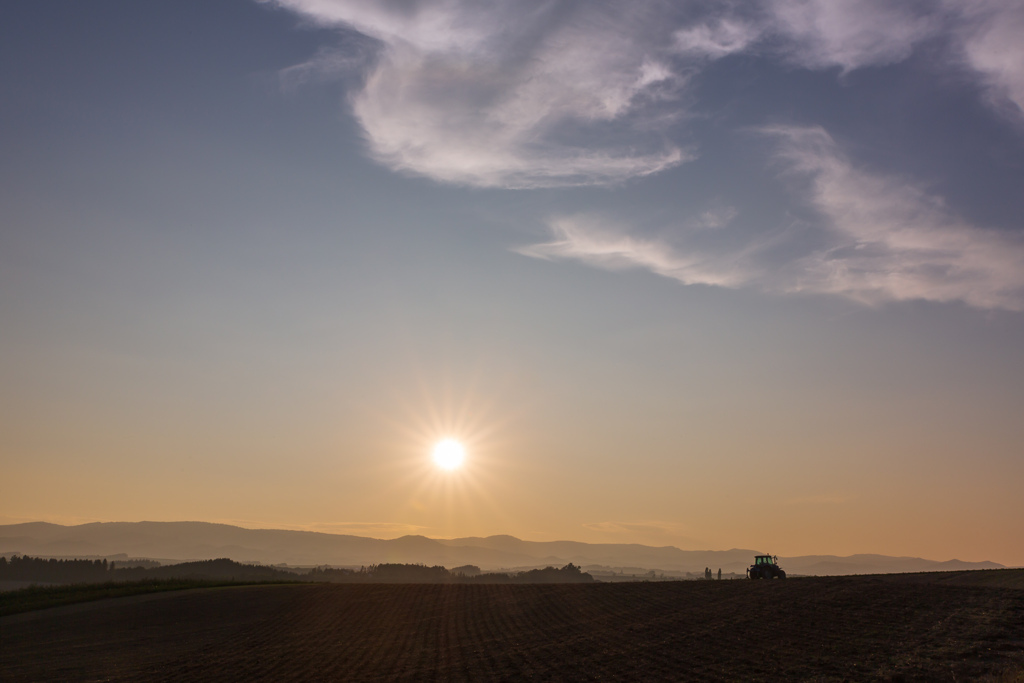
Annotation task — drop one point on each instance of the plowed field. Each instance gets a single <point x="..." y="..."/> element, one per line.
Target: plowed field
<point x="851" y="628"/>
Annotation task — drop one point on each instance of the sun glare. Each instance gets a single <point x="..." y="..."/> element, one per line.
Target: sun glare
<point x="449" y="454"/>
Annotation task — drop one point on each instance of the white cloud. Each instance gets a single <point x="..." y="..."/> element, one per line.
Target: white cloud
<point x="986" y="36"/>
<point x="878" y="239"/>
<point x="514" y="94"/>
<point x="991" y="37"/>
<point x="716" y="39"/>
<point x="715" y="218"/>
<point x="850" y="33"/>
<point x="603" y="243"/>
<point x="891" y="240"/>
<point x="547" y="93"/>
<point x="326" y="65"/>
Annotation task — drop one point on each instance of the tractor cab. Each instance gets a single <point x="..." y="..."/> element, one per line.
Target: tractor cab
<point x="766" y="567"/>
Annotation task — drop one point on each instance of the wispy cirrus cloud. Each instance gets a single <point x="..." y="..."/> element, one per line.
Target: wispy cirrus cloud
<point x="988" y="35"/>
<point x="717" y="37"/>
<point x="515" y="94"/>
<point x="892" y="240"/>
<point x="850" y="34"/>
<point x="548" y="93"/>
<point x="330" y="64"/>
<point x="605" y="243"/>
<point x="877" y="238"/>
<point x="983" y="36"/>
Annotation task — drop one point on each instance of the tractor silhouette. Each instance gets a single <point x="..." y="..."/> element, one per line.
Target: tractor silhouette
<point x="766" y="567"/>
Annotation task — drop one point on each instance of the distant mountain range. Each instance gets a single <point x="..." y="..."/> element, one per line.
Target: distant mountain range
<point x="179" y="541"/>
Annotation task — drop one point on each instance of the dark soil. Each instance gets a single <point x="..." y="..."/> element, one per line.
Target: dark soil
<point x="824" y="629"/>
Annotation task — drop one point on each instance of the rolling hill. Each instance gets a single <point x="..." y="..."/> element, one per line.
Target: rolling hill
<point x="178" y="541"/>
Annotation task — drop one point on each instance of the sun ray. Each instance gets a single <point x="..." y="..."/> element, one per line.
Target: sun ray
<point x="463" y="406"/>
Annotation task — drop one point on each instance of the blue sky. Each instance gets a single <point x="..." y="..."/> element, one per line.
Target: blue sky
<point x="649" y="261"/>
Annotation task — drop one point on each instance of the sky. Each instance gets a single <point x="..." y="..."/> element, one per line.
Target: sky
<point x="704" y="274"/>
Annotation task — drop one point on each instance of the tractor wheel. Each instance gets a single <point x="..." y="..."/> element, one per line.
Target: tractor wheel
<point x="782" y="574"/>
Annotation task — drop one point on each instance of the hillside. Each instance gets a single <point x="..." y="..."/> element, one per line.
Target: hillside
<point x="180" y="541"/>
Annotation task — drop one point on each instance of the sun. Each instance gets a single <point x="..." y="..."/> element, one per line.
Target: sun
<point x="449" y="454"/>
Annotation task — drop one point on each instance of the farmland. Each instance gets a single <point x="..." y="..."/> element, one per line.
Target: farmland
<point x="837" y="628"/>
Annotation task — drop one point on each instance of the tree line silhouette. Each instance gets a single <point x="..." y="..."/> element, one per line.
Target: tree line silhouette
<point x="49" y="570"/>
<point x="24" y="568"/>
<point x="418" y="573"/>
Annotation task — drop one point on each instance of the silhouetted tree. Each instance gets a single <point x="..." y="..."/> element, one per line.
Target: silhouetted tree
<point x="466" y="570"/>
